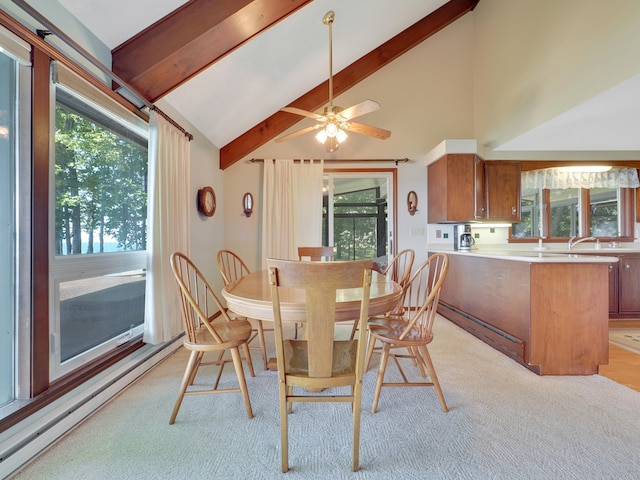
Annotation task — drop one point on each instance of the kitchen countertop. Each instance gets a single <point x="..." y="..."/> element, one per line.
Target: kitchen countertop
<point x="534" y="255"/>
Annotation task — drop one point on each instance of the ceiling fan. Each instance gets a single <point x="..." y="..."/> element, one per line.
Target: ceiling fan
<point x="334" y="122"/>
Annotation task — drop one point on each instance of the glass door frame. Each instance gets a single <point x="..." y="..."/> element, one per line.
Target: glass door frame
<point x="391" y="174"/>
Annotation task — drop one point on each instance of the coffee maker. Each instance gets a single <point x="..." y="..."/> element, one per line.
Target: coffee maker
<point x="462" y="238"/>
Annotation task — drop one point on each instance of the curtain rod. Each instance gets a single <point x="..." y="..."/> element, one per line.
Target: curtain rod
<point x="172" y="122"/>
<point x="52" y="29"/>
<point x="343" y="160"/>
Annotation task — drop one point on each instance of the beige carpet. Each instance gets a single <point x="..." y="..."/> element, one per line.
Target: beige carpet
<point x="627" y="338"/>
<point x="504" y="423"/>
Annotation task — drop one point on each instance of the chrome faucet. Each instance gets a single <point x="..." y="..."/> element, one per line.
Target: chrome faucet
<point x="573" y="243"/>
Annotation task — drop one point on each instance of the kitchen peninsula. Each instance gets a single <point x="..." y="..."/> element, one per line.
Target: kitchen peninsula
<point x="548" y="311"/>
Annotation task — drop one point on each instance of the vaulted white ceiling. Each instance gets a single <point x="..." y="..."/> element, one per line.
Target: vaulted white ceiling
<point x="287" y="60"/>
<point x="267" y="73"/>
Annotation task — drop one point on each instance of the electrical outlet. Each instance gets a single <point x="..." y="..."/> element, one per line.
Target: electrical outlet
<point x="438" y="233"/>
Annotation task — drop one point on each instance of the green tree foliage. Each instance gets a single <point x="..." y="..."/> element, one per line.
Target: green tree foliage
<point x="101" y="186"/>
<point x="359" y="224"/>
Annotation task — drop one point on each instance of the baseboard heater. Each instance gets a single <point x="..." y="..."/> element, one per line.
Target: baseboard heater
<point x="498" y="339"/>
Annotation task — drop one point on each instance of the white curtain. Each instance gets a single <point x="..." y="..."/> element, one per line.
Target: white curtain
<point x="168" y="227"/>
<point x="557" y="178"/>
<point x="292" y="207"/>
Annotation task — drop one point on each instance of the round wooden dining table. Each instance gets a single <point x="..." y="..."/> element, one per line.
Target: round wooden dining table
<point x="251" y="297"/>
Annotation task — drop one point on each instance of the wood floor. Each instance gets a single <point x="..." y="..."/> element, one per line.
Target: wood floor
<point x="624" y="366"/>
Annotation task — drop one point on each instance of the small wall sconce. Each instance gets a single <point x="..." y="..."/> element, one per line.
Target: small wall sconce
<point x="247" y="204"/>
<point x="412" y="202"/>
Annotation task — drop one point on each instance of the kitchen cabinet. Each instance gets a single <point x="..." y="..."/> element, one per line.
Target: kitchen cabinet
<point x="464" y="188"/>
<point x="502" y="191"/>
<point x="549" y="316"/>
<point x="624" y="278"/>
<point x="628" y="281"/>
<point x="613" y="289"/>
<point x="455" y="189"/>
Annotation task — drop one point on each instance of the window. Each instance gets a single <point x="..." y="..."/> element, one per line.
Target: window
<point x="579" y="212"/>
<point x="99" y="237"/>
<point x="604" y="212"/>
<point x="356" y="215"/>
<point x="571" y="200"/>
<point x="564" y="210"/>
<point x="14" y="219"/>
<point x="530" y="217"/>
<point x="7" y="233"/>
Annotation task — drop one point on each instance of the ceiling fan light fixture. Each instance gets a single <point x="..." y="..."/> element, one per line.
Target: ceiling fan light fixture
<point x="333" y="124"/>
<point x="332" y="129"/>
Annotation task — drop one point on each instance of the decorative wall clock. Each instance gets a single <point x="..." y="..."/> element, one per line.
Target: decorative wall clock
<point x="207" y="201"/>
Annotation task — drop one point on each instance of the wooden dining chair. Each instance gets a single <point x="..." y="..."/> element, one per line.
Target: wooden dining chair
<point x="315" y="254"/>
<point x="204" y="333"/>
<point x="232" y="268"/>
<point x="407" y="335"/>
<point x="319" y="361"/>
<point x="398" y="270"/>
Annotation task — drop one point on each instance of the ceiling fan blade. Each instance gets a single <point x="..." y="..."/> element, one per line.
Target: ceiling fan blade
<point x="296" y="133"/>
<point x="304" y="113"/>
<point x="359" y="109"/>
<point x="380" y="133"/>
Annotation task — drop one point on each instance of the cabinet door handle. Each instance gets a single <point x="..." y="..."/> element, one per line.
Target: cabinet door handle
<point x="626" y="265"/>
<point x="513" y="210"/>
<point x="611" y="268"/>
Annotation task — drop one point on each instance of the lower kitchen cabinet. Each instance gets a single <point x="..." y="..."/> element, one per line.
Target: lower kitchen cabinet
<point x="624" y="284"/>
<point x="629" y="285"/>
<point x="551" y="317"/>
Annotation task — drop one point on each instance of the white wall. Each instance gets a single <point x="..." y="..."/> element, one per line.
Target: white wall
<point x="534" y="60"/>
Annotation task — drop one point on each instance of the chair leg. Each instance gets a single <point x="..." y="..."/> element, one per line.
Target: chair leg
<point x="357" y="404"/>
<point x="289" y="394"/>
<point x="247" y="354"/>
<point x="414" y="352"/>
<point x="284" y="441"/>
<point x="434" y="378"/>
<point x="196" y="366"/>
<point x="237" y="363"/>
<point x="189" y="373"/>
<point x="370" y="347"/>
<point x="263" y="347"/>
<point x="384" y="356"/>
<point x="354" y="329"/>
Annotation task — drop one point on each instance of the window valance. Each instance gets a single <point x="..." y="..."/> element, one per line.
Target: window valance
<point x="557" y="178"/>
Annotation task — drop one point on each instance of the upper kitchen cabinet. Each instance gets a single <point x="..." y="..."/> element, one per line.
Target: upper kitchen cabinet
<point x="456" y="189"/>
<point x="502" y="190"/>
<point x="464" y="188"/>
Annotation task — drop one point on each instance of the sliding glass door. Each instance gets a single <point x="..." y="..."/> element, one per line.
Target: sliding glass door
<point x="357" y="215"/>
<point x="15" y="120"/>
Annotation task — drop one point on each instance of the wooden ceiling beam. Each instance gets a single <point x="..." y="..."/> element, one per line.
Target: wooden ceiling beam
<point x="345" y="79"/>
<point x="192" y="37"/>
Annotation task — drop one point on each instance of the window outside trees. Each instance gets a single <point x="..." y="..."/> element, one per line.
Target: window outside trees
<point x="596" y="212"/>
<point x="101" y="182"/>
<point x="98" y="274"/>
